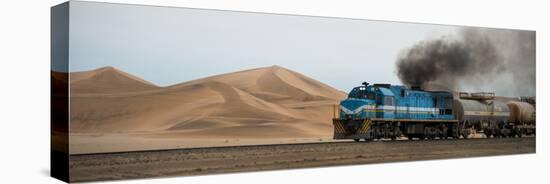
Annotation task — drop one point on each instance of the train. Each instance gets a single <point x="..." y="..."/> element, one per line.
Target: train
<point x="385" y="111"/>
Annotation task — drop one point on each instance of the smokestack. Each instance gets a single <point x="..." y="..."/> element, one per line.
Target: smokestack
<point x="415" y="87"/>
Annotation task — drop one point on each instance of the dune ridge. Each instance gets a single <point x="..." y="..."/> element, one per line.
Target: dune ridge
<point x="107" y="80"/>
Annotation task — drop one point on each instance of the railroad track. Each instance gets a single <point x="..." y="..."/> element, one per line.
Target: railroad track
<point x="197" y="161"/>
<point x="336" y="142"/>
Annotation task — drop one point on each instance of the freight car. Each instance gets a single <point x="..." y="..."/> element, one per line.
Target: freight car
<point x="387" y="111"/>
<point x="484" y="113"/>
<point x="522" y="114"/>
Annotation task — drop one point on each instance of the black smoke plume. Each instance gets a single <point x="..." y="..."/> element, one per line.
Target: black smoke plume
<point x="477" y="59"/>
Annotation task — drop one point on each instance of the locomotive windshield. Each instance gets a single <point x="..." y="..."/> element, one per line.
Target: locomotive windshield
<point x="361" y="93"/>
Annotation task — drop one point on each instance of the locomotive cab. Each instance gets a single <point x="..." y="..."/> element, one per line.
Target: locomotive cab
<point x="360" y="101"/>
<point x="361" y="92"/>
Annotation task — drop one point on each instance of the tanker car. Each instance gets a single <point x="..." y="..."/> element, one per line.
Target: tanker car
<point x="387" y="111"/>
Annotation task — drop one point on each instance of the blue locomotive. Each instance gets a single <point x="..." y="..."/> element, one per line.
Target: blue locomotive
<point x="387" y="111"/>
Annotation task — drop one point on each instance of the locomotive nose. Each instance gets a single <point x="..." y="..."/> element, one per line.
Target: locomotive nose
<point x="351" y="108"/>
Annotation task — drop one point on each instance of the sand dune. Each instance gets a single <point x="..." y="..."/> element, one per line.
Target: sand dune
<point x="107" y="80"/>
<point x="263" y="103"/>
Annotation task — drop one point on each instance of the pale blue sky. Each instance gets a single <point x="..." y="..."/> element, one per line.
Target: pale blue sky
<point x="172" y="45"/>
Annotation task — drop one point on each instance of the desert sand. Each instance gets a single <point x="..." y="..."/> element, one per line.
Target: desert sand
<point x="111" y="110"/>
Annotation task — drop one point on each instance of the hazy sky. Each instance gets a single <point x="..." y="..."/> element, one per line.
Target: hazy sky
<point x="172" y="45"/>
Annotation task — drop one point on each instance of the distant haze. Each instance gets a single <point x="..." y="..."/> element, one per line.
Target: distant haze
<point x="167" y="46"/>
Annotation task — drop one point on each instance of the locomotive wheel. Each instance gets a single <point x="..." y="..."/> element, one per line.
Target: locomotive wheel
<point x="487" y="133"/>
<point x="456" y="135"/>
<point x="518" y="133"/>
